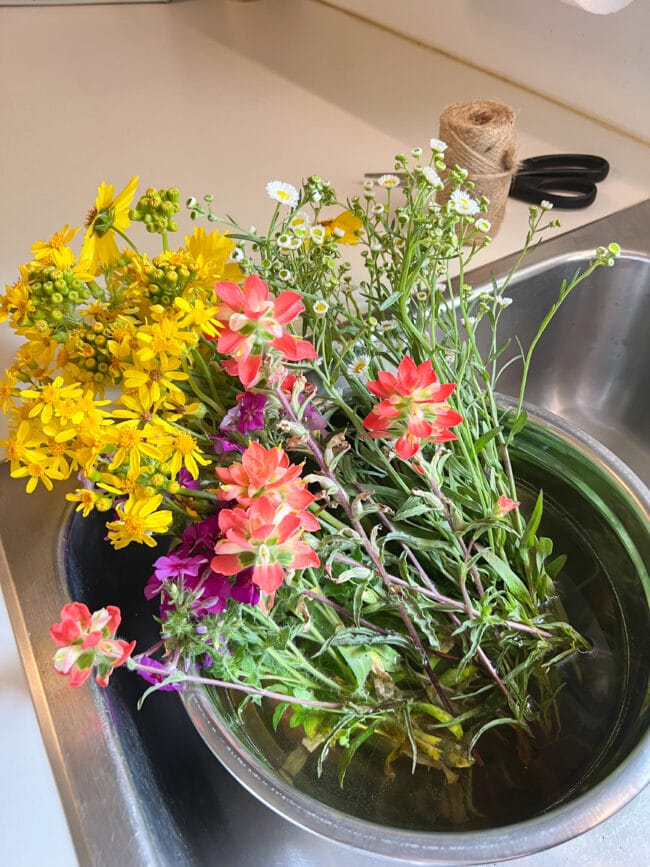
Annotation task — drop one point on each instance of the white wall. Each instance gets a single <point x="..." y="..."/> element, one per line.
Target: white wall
<point x="597" y="63"/>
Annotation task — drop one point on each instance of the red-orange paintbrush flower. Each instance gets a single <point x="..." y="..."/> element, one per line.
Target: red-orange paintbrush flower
<point x="413" y="408"/>
<point x="253" y="323"/>
<point x="265" y="537"/>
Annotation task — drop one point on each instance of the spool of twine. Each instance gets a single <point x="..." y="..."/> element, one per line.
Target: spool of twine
<point x="481" y="138"/>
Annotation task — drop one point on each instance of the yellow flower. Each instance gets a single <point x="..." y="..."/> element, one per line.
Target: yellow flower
<point x="107" y="215"/>
<point x="49" y="398"/>
<point x="153" y="379"/>
<point x="137" y="521"/>
<point x="211" y="253"/>
<point x="46" y="251"/>
<point x="38" y="467"/>
<point x="184" y="451"/>
<point x="345" y="228"/>
<point x="198" y="314"/>
<point x="133" y="443"/>
<point x="86" y="499"/>
<point x="163" y="338"/>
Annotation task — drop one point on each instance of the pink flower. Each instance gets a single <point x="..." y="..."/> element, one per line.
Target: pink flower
<point x="253" y="325"/>
<point x="264" y="537"/>
<point x="268" y="473"/>
<point x="86" y="640"/>
<point x="503" y="506"/>
<point x="413" y="407"/>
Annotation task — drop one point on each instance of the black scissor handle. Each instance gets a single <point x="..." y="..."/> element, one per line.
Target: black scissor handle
<point x="575" y="192"/>
<point x="567" y="181"/>
<point x="587" y="166"/>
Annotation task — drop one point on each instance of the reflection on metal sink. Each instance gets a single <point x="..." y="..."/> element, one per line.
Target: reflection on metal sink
<point x="140" y="787"/>
<point x="591" y="364"/>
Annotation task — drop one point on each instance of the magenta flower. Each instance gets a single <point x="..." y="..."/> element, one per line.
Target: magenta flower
<point x="185" y="480"/>
<point x="152" y="677"/>
<point x="224" y="445"/>
<point x="246" y="415"/>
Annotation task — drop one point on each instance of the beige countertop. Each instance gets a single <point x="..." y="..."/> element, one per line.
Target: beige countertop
<point x="218" y="96"/>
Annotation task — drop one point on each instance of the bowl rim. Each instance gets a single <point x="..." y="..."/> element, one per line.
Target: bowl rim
<point x="558" y="825"/>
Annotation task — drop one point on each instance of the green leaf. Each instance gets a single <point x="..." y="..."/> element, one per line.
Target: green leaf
<point x="556" y="566"/>
<point x="411" y="507"/>
<point x="511" y="580"/>
<point x="388" y="302"/>
<point x="487" y="437"/>
<point x="278" y="713"/>
<point x="517" y="425"/>
<point x="534" y="521"/>
<point x="502" y="721"/>
<point x="359" y="662"/>
<point x="353" y="572"/>
<point x="360" y="739"/>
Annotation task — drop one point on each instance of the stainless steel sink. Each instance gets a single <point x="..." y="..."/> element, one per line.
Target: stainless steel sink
<point x="139" y="787"/>
<point x="592" y="363"/>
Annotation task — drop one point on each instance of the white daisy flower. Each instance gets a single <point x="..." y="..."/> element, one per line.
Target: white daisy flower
<point x="289" y="242"/>
<point x="285" y="275"/>
<point x="505" y="301"/>
<point x="338" y="232"/>
<point x="316" y="197"/>
<point x="437" y="145"/>
<point x="463" y="203"/>
<point x="282" y="192"/>
<point x="545" y="206"/>
<point x="317" y="234"/>
<point x="359" y="366"/>
<point x="368" y="184"/>
<point x="483" y="225"/>
<point x="431" y="176"/>
<point x="376" y="247"/>
<point x="388" y="182"/>
<point x="321" y="307"/>
<point x="301" y="220"/>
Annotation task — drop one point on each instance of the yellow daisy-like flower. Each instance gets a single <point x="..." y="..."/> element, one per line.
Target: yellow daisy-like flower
<point x="345" y="228"/>
<point x="199" y="316"/>
<point x="45" y="251"/>
<point x="109" y="213"/>
<point x="38" y="467"/>
<point x="133" y="443"/>
<point x="183" y="451"/>
<point x="86" y="500"/>
<point x="137" y="521"/>
<point x="48" y="398"/>
<point x="211" y="252"/>
<point x="153" y="379"/>
<point x="163" y="337"/>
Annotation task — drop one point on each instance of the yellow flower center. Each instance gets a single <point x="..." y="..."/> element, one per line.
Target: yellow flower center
<point x="184" y="443"/>
<point x="134" y="525"/>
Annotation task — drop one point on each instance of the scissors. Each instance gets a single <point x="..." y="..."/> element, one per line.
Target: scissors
<point x="567" y="181"/>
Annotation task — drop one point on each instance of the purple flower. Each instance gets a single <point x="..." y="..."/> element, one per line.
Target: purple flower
<point x="185" y="480"/>
<point x="223" y="445"/>
<point x="153" y="677"/>
<point x="243" y="590"/>
<point x="175" y="566"/>
<point x="313" y="420"/>
<point x="246" y="415"/>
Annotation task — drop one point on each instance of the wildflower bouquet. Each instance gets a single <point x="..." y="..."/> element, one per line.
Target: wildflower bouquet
<point x="316" y="447"/>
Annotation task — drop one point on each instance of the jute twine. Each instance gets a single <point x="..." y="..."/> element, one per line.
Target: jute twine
<point x="481" y="138"/>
